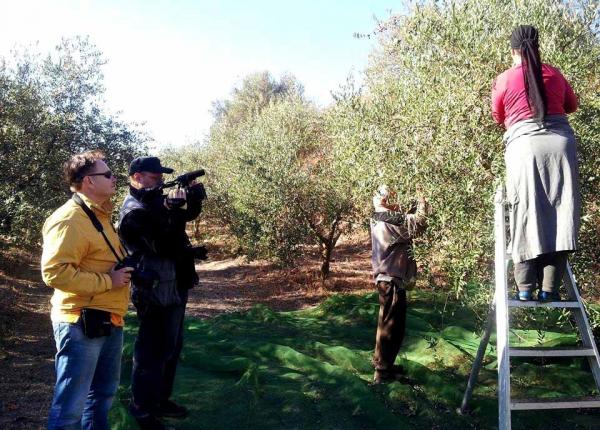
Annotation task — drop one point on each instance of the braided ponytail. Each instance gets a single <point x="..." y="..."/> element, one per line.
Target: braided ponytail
<point x="525" y="39"/>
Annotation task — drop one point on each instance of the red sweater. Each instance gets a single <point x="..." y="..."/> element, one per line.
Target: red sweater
<point x="509" y="100"/>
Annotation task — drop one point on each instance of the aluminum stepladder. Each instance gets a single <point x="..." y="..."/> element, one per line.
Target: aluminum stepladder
<point x="500" y="310"/>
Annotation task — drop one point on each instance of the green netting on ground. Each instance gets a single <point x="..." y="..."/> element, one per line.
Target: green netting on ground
<point x="311" y="369"/>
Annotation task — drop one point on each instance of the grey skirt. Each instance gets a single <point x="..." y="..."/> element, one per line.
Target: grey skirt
<point x="542" y="186"/>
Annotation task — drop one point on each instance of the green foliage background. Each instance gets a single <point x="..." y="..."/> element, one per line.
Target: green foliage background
<point x="422" y="121"/>
<point x="270" y="178"/>
<point x="50" y="108"/>
<point x="285" y="175"/>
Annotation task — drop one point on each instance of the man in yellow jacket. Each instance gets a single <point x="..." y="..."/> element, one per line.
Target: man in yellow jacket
<point x="90" y="297"/>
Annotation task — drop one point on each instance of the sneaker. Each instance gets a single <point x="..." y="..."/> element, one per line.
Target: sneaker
<point x="146" y="420"/>
<point x="382" y="376"/>
<point x="524" y="296"/>
<point x="171" y="409"/>
<point x="546" y="296"/>
<point x="150" y="422"/>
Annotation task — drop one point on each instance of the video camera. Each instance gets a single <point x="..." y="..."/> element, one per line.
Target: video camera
<point x="182" y="181"/>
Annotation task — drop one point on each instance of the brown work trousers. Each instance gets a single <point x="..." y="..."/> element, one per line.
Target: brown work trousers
<point x="391" y="324"/>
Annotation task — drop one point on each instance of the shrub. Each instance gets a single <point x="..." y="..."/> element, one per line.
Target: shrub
<point x="422" y="121"/>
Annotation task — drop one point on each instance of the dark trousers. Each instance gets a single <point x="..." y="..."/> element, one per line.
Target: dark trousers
<point x="545" y="271"/>
<point x="391" y="324"/>
<point x="155" y="356"/>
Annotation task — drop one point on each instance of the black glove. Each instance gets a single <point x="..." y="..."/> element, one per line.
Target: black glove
<point x="200" y="252"/>
<point x="196" y="192"/>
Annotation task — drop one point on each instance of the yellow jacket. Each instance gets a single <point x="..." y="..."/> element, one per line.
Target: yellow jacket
<point x="76" y="261"/>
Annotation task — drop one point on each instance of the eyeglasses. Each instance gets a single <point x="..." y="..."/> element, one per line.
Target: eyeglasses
<point x="108" y="174"/>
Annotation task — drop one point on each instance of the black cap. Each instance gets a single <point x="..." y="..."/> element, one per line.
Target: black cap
<point x="147" y="164"/>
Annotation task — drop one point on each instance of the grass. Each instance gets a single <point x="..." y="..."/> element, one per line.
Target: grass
<point x="311" y="369"/>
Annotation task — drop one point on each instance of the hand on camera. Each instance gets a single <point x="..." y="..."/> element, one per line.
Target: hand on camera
<point x="423" y="203"/>
<point x="120" y="278"/>
<point x="176" y="199"/>
<point x="423" y="207"/>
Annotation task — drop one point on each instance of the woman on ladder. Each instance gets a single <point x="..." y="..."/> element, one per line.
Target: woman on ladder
<point x="531" y="100"/>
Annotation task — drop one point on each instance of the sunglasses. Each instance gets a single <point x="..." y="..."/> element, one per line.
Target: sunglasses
<point x="108" y="174"/>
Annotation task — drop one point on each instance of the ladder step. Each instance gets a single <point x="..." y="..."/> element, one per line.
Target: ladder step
<point x="551" y="352"/>
<point x="557" y="403"/>
<point x="536" y="304"/>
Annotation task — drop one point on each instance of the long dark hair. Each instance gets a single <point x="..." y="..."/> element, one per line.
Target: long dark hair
<point x="525" y="39"/>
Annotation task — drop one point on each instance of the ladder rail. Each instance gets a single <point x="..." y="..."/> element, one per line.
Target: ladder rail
<point x="485" y="340"/>
<point x="583" y="325"/>
<point x="500" y="308"/>
<point x="501" y="299"/>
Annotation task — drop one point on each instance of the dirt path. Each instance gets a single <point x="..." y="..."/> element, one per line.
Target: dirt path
<point x="231" y="285"/>
<point x="27" y="345"/>
<point x="227" y="285"/>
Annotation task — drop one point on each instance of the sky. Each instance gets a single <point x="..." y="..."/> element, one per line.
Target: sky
<point x="169" y="60"/>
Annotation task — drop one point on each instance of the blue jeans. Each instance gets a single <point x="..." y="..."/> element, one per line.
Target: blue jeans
<point x="87" y="377"/>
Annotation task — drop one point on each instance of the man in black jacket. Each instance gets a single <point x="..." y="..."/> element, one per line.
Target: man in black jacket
<point x="152" y="228"/>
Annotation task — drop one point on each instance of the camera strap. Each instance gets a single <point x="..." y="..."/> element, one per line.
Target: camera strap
<point x="96" y="222"/>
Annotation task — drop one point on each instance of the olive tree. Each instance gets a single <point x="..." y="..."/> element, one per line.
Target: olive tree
<point x="51" y="108"/>
<point x="271" y="179"/>
<point x="422" y="123"/>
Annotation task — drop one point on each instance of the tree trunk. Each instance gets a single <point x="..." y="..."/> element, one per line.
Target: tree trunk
<point x="326" y="250"/>
<point x="196" y="233"/>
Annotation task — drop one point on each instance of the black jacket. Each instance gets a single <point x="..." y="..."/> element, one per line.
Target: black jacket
<point x="159" y="231"/>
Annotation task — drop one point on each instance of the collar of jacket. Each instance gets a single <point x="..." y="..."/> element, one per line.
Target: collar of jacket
<point x="148" y="196"/>
<point x="104" y="209"/>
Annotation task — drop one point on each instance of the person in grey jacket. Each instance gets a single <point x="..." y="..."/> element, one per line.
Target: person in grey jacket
<point x="394" y="270"/>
